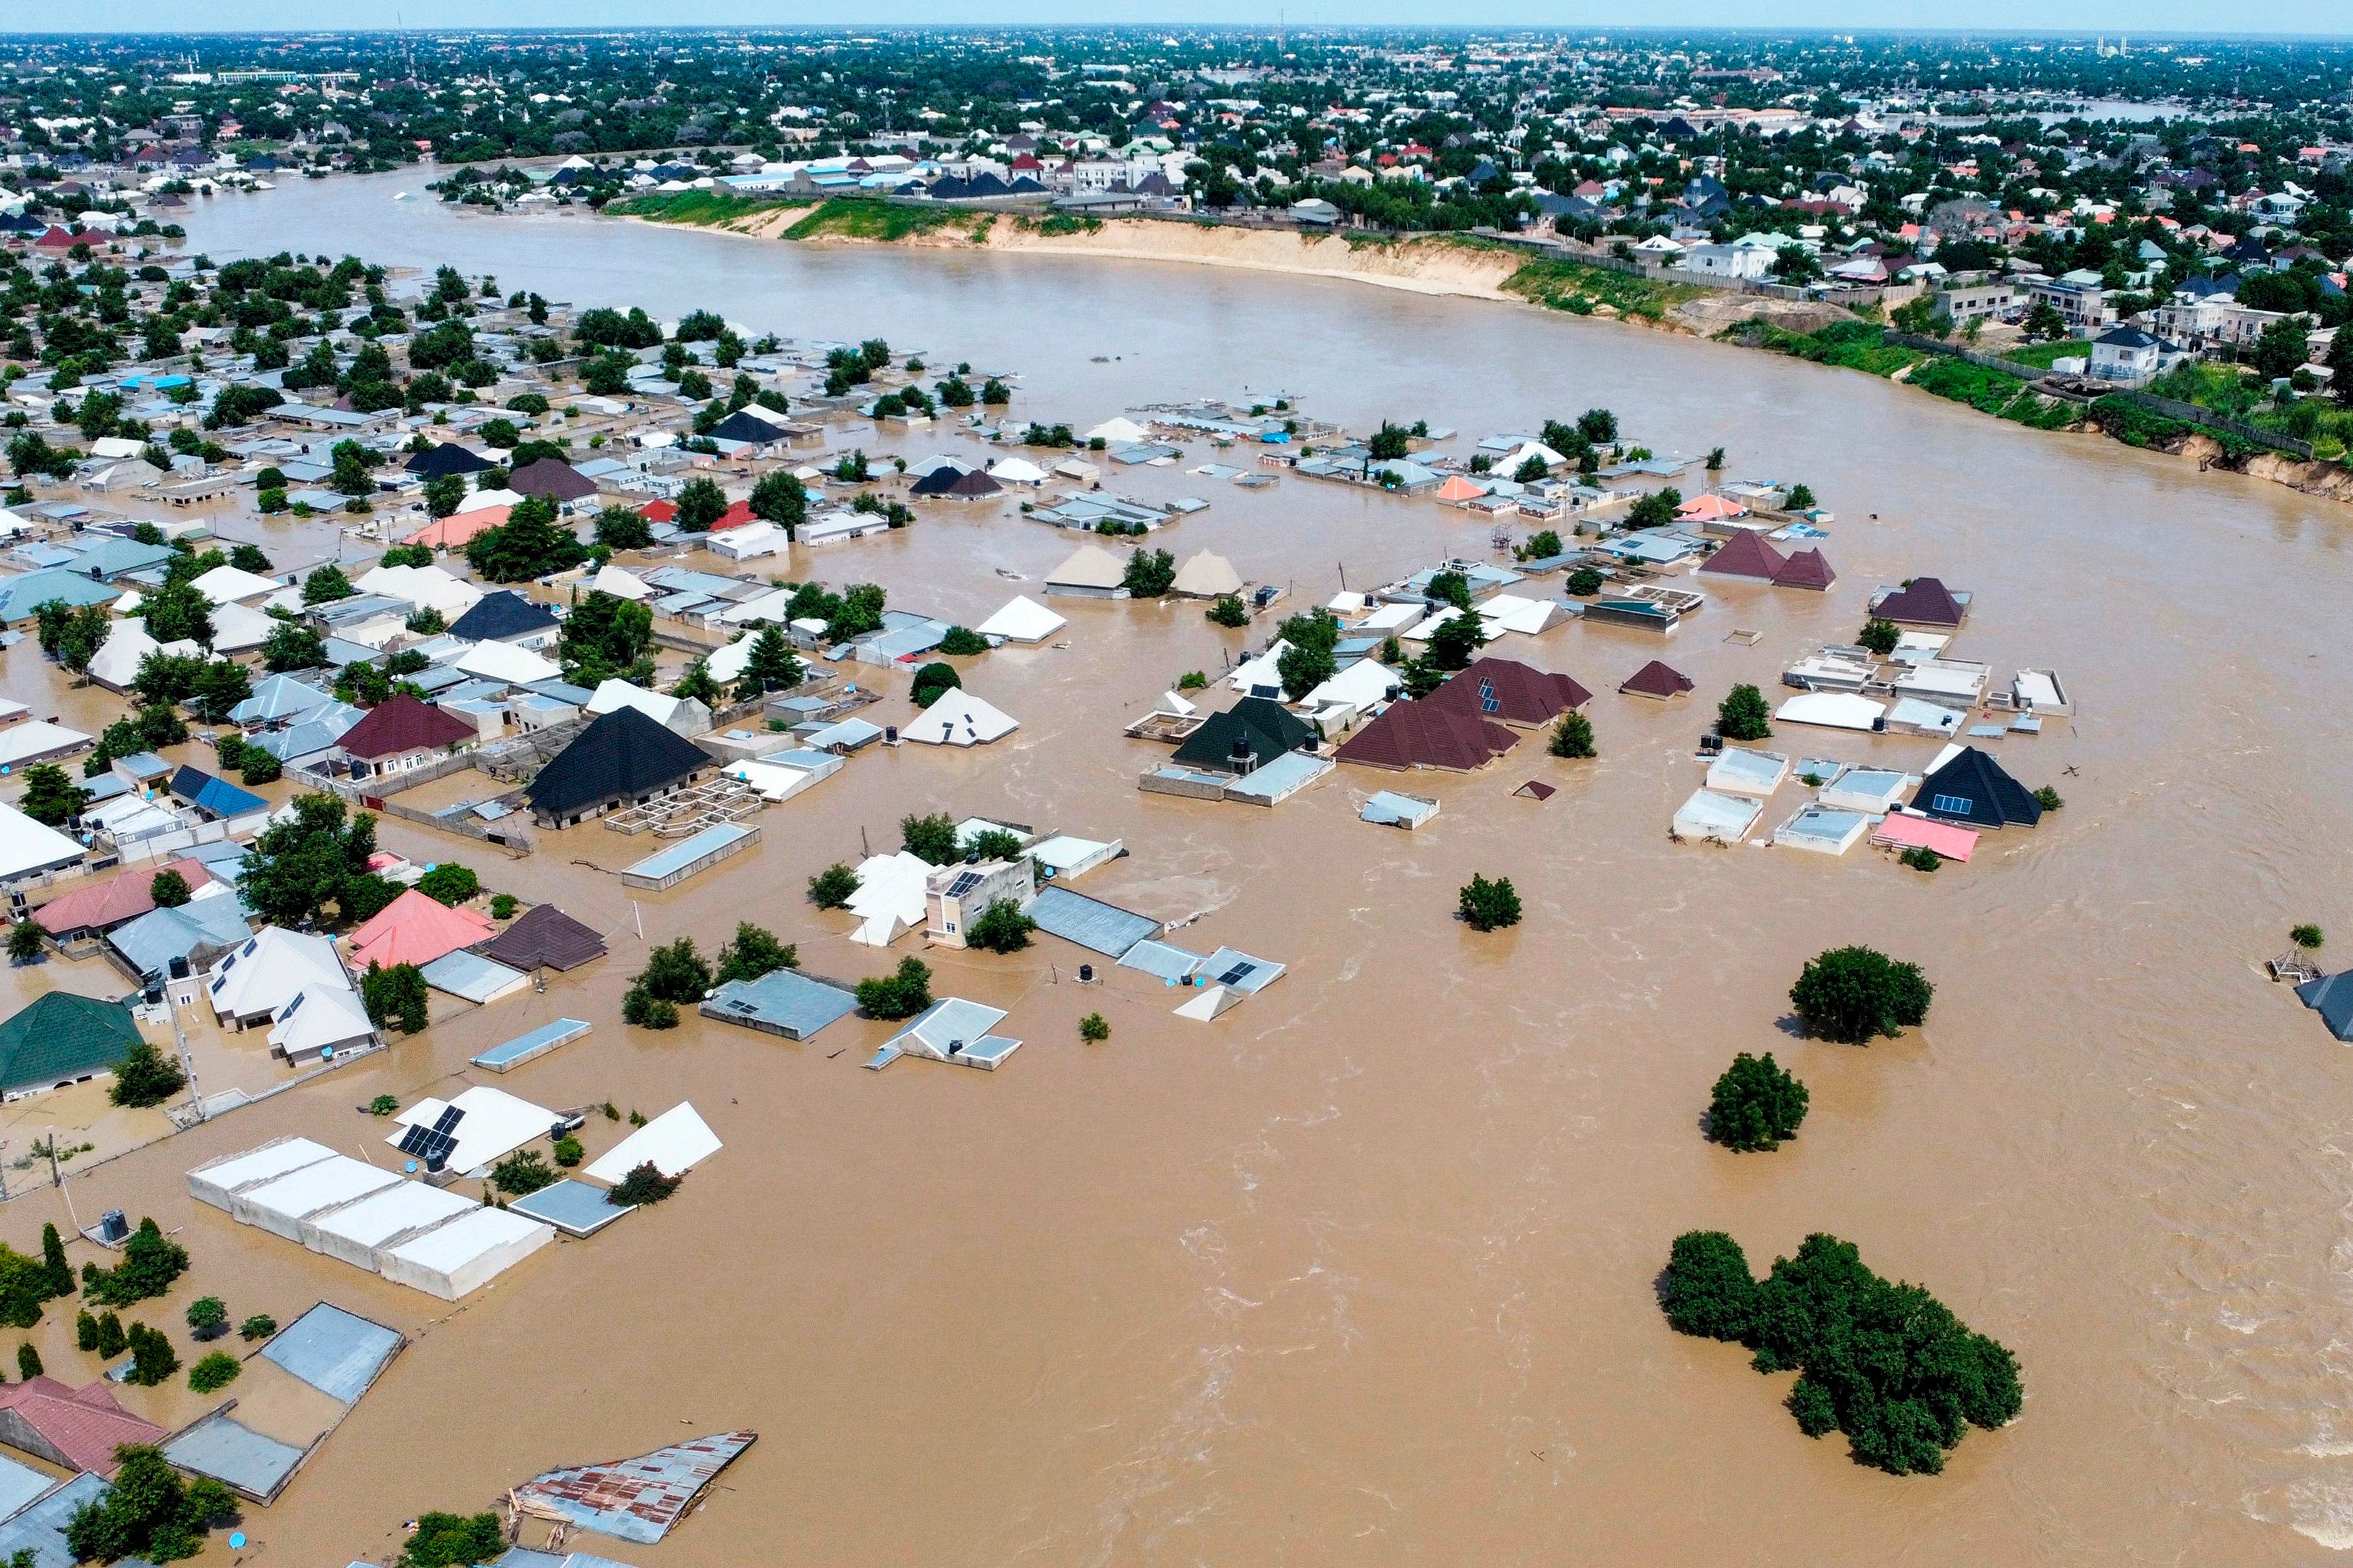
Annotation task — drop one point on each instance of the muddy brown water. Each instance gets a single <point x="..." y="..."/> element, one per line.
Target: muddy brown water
<point x="1362" y="1272"/>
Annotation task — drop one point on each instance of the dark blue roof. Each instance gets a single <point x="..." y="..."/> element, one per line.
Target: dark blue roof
<point x="218" y="797"/>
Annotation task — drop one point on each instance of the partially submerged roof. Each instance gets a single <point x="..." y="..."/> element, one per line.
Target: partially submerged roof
<point x="337" y="1353"/>
<point x="958" y="717"/>
<point x="640" y="1499"/>
<point x="1208" y="576"/>
<point x="781" y="1002"/>
<point x="1506" y="690"/>
<point x="673" y="1142"/>
<point x="1972" y="788"/>
<point x="543" y="937"/>
<point x="2331" y="997"/>
<point x="414" y="928"/>
<point x="1255" y="727"/>
<point x="59" y="1037"/>
<point x="1022" y="619"/>
<point x="1925" y="602"/>
<point x="1658" y="679"/>
<point x="1090" y="923"/>
<point x="622" y="754"/>
<point x="76" y="1427"/>
<point x="503" y="613"/>
<point x="1090" y="566"/>
<point x="1746" y="554"/>
<point x="1427" y="735"/>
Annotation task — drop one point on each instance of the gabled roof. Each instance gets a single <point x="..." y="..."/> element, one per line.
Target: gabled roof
<point x="120" y="897"/>
<point x="1508" y="691"/>
<point x="545" y="937"/>
<point x="83" y="1426"/>
<point x="1972" y="788"/>
<point x="401" y="723"/>
<point x="549" y="477"/>
<point x="1426" y="735"/>
<point x="447" y="458"/>
<point x="1656" y="679"/>
<point x="1267" y="728"/>
<point x="502" y="615"/>
<point x="1927" y="603"/>
<point x="414" y="928"/>
<point x="1746" y="554"/>
<point x="624" y="753"/>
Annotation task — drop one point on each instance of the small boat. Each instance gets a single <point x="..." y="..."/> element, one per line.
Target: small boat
<point x="1011" y="576"/>
<point x="400" y="196"/>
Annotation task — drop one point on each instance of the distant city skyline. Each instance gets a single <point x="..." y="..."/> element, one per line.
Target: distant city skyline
<point x="2153" y="18"/>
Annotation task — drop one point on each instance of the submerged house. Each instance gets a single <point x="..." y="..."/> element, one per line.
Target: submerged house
<point x="1251" y="733"/>
<point x="623" y="759"/>
<point x="401" y="734"/>
<point x="1973" y="790"/>
<point x="59" y="1039"/>
<point x="1658" y="680"/>
<point x="1923" y="602"/>
<point x="1509" y="692"/>
<point x="1427" y="734"/>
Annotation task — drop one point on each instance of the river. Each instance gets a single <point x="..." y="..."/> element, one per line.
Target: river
<point x="1362" y="1272"/>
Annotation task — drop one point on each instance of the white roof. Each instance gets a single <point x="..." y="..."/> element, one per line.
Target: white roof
<point x="377" y="1218"/>
<point x="1090" y="566"/>
<point x="226" y="584"/>
<point x="1738" y="772"/>
<point x="1017" y="471"/>
<point x="611" y="579"/>
<point x="1389" y="618"/>
<point x="1259" y="671"/>
<point x="674" y="1143"/>
<point x="925" y="467"/>
<point x="1517" y="613"/>
<point x="236" y="627"/>
<point x="959" y="719"/>
<point x="443" y="1257"/>
<point x="1023" y="620"/>
<point x="117" y="659"/>
<point x="617" y="693"/>
<point x="338" y="1179"/>
<point x="1532" y="449"/>
<point x="890" y="897"/>
<point x="1113" y="431"/>
<point x="215" y="1180"/>
<point x="319" y="1015"/>
<point x="264" y="974"/>
<point x="427" y="587"/>
<point x="1206" y="575"/>
<point x="726" y="664"/>
<point x="1708" y="815"/>
<point x="483" y="500"/>
<point x="1832" y="710"/>
<point x="1077" y="469"/>
<point x="495" y="1124"/>
<point x="505" y="661"/>
<point x="1346" y="603"/>
<point x="751" y="539"/>
<point x="35" y="738"/>
<point x="1359" y="685"/>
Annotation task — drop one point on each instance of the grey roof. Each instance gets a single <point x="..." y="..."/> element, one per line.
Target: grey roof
<point x="1090" y="923"/>
<point x="538" y="1043"/>
<point x="315" y="732"/>
<point x="575" y="1208"/>
<point x="41" y="1529"/>
<point x="470" y="975"/>
<point x="781" y="1002"/>
<point x="337" y="1353"/>
<point x="19" y="1485"/>
<point x="2331" y="997"/>
<point x="279" y="697"/>
<point x="150" y="943"/>
<point x="1166" y="960"/>
<point x="1237" y="970"/>
<point x="226" y="1449"/>
<point x="951" y="1021"/>
<point x="642" y="1498"/>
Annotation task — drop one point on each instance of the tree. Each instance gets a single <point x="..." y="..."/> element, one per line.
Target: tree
<point x="1657" y="510"/>
<point x="901" y="995"/>
<point x="831" y="888"/>
<point x="618" y="528"/>
<point x="1489" y="906"/>
<point x="1756" y="1104"/>
<point x="444" y="494"/>
<point x="529" y="544"/>
<point x="932" y="681"/>
<point x="326" y="585"/>
<point x="931" y="838"/>
<point x="112" y="1340"/>
<point x="697" y="683"/>
<point x="1389" y="442"/>
<point x="1743" y="716"/>
<point x="207" y="1317"/>
<point x="451" y="1541"/>
<point x="150" y="1262"/>
<point x="29" y="1361"/>
<point x="179" y="612"/>
<point x="781" y="498"/>
<point x="146" y="1076"/>
<point x="25" y="942"/>
<point x="220" y="685"/>
<point x="23" y="1286"/>
<point x="755" y="951"/>
<point x="449" y="883"/>
<point x="1880" y="636"/>
<point x="396" y="997"/>
<point x="523" y="1172"/>
<point x="1228" y="611"/>
<point x="771" y="665"/>
<point x="60" y="1280"/>
<point x="149" y="1513"/>
<point x="1708" y="1290"/>
<point x="605" y="636"/>
<point x="2340" y="367"/>
<point x="2045" y="322"/>
<point x="1597" y="426"/>
<point x="297" y="867"/>
<point x="1456" y="638"/>
<point x="259" y="1326"/>
<point x="1094" y="1028"/>
<point x="963" y="642"/>
<point x="2307" y="936"/>
<point x="1573" y="736"/>
<point x="1584" y="583"/>
<point x="168" y="889"/>
<point x="213" y="1373"/>
<point x="1150" y="574"/>
<point x="1852" y="994"/>
<point x="1000" y="928"/>
<point x="2283" y="349"/>
<point x="51" y="798"/>
<point x="701" y="504"/>
<point x="1530" y="471"/>
<point x="643" y="1184"/>
<point x="291" y="645"/>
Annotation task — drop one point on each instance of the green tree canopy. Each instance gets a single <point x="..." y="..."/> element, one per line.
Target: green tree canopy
<point x="1852" y="994"/>
<point x="1756" y="1103"/>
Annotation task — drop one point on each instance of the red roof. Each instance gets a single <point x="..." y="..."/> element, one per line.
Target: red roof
<point x="414" y="928"/>
<point x="659" y="512"/>
<point x="84" y="1425"/>
<point x="1746" y="554"/>
<point x="1508" y="691"/>
<point x="109" y="903"/>
<point x="400" y="724"/>
<point x="1426" y="735"/>
<point x="1806" y="569"/>
<point x="56" y="239"/>
<point x="735" y="516"/>
<point x="1657" y="680"/>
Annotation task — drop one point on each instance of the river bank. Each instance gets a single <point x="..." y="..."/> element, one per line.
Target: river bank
<point x="1470" y="267"/>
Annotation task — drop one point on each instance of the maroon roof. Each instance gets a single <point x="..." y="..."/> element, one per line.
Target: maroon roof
<point x="1927" y="603"/>
<point x="1426" y="735"/>
<point x="1656" y="680"/>
<point x="77" y="1426"/>
<point x="972" y="483"/>
<point x="1746" y="554"/>
<point x="1507" y="689"/>
<point x="547" y="477"/>
<point x="1535" y="789"/>
<point x="545" y="937"/>
<point x="400" y="724"/>
<point x="1806" y="569"/>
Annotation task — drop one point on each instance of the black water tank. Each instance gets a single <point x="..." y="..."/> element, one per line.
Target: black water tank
<point x="891" y="734"/>
<point x="1086" y="972"/>
<point x="179" y="969"/>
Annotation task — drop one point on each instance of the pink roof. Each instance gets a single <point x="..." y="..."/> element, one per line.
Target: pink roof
<point x="456" y="531"/>
<point x="1924" y="832"/>
<point x="116" y="899"/>
<point x="1709" y="507"/>
<point x="83" y="1423"/>
<point x="414" y="929"/>
<point x="1460" y="488"/>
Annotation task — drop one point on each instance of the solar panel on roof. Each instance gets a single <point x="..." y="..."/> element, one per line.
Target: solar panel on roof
<point x="1487" y="701"/>
<point x="449" y="1119"/>
<point x="965" y="884"/>
<point x="1237" y="974"/>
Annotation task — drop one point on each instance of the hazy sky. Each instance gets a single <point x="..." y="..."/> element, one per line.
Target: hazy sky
<point x="2136" y="17"/>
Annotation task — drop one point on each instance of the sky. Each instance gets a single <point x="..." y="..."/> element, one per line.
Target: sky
<point x="2135" y="18"/>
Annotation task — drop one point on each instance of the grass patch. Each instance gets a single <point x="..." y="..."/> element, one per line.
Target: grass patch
<point x="1849" y="345"/>
<point x="1058" y="224"/>
<point x="1864" y="346"/>
<point x="1575" y="286"/>
<point x="860" y="218"/>
<point x="707" y="208"/>
<point x="2042" y="356"/>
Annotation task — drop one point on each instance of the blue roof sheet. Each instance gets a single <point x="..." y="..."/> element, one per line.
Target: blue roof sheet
<point x="19" y="1485"/>
<point x="538" y="1043"/>
<point x="688" y="851"/>
<point x="783" y="1001"/>
<point x="41" y="1529"/>
<point x="1090" y="923"/>
<point x="575" y="1208"/>
<point x="222" y="1447"/>
<point x="337" y="1353"/>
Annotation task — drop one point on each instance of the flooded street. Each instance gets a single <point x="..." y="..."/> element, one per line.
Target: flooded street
<point x="1362" y="1271"/>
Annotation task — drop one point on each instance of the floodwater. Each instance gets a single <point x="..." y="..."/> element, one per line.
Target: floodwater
<point x="1362" y="1272"/>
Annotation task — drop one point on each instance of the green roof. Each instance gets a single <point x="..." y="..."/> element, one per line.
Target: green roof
<point x="62" y="1036"/>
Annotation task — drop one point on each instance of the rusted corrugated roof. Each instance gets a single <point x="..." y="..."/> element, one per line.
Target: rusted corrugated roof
<point x="636" y="1499"/>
